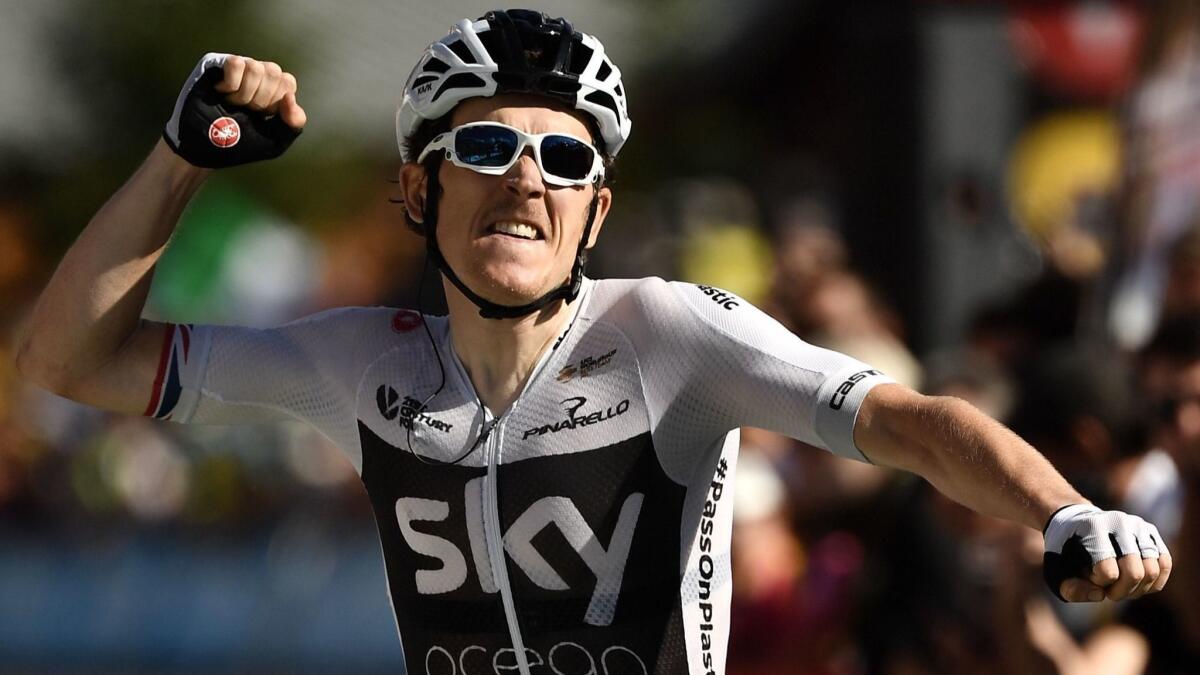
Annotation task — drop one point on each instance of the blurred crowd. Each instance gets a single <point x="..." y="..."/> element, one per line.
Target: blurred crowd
<point x="839" y="567"/>
<point x="1095" y="359"/>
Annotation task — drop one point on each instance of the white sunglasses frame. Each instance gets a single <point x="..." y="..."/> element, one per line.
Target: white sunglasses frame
<point x="524" y="140"/>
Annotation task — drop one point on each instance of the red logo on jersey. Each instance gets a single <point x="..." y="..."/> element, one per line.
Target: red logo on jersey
<point x="224" y="132"/>
<point x="405" y="320"/>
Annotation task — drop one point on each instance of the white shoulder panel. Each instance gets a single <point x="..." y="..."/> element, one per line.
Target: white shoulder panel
<point x="711" y="362"/>
<point x="307" y="370"/>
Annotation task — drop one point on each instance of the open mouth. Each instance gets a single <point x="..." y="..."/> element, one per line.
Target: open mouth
<point x="516" y="230"/>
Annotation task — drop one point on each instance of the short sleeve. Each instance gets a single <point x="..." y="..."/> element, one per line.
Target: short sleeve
<point x="714" y="361"/>
<point x="306" y="370"/>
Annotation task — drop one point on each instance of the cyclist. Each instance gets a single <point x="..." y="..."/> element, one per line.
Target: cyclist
<point x="550" y="464"/>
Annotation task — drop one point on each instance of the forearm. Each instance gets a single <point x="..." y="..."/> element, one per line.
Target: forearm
<point x="95" y="298"/>
<point x="966" y="455"/>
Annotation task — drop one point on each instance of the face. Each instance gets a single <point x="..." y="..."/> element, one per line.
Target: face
<point x="503" y="267"/>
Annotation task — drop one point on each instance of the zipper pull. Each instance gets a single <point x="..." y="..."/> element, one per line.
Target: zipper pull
<point x="487" y="431"/>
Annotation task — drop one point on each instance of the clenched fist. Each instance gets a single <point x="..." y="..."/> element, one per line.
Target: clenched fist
<point x="1093" y="554"/>
<point x="234" y="110"/>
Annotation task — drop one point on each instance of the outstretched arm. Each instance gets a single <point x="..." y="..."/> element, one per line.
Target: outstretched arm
<point x="979" y="463"/>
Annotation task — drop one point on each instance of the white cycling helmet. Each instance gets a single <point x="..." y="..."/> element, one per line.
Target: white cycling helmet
<point x="516" y="51"/>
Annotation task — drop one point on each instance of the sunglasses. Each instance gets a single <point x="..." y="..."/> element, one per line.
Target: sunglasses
<point x="492" y="148"/>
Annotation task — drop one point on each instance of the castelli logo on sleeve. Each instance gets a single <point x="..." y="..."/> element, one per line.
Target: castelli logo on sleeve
<point x="224" y="132"/>
<point x="405" y="321"/>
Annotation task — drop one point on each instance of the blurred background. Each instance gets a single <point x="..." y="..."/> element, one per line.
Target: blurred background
<point x="993" y="200"/>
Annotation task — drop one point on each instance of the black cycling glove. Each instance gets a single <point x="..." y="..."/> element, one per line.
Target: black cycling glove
<point x="208" y="132"/>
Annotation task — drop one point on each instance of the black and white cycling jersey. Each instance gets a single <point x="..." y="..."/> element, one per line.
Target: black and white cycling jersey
<point x="589" y="532"/>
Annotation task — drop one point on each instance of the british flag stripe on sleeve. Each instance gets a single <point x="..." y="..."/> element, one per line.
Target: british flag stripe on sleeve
<point x="176" y="353"/>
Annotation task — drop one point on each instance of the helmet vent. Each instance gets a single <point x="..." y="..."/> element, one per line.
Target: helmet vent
<point x="540" y="51"/>
<point x="581" y="55"/>
<point x="493" y="42"/>
<point x="435" y="65"/>
<point x="602" y="98"/>
<point x="459" y="81"/>
<point x="424" y="79"/>
<point x="561" y="86"/>
<point x="460" y="48"/>
<point x="604" y="71"/>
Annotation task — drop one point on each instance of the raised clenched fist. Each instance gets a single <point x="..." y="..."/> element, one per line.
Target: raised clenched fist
<point x="234" y="110"/>
<point x="262" y="86"/>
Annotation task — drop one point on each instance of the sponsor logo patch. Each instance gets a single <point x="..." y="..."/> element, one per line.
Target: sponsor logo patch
<point x="577" y="419"/>
<point x="839" y="396"/>
<point x="707" y="567"/>
<point x="585" y="366"/>
<point x="723" y="298"/>
<point x="405" y="321"/>
<point x="406" y="411"/>
<point x="224" y="132"/>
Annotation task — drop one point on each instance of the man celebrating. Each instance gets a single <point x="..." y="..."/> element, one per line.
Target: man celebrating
<point x="551" y="464"/>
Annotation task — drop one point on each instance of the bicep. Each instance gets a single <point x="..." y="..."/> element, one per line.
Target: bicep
<point x="125" y="382"/>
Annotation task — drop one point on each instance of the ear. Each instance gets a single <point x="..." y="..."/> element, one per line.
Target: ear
<point x="603" y="204"/>
<point x="412" y="188"/>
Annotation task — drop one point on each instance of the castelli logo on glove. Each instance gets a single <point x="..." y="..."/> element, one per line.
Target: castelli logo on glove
<point x="224" y="132"/>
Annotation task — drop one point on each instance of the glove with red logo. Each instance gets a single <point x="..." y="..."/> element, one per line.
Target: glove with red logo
<point x="209" y="131"/>
<point x="1081" y="540"/>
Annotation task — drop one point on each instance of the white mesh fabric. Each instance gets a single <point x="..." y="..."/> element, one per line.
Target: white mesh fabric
<point x="647" y="366"/>
<point x="711" y="362"/>
<point x="308" y="370"/>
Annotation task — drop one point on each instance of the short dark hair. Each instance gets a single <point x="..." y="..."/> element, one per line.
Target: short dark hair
<point x="427" y="130"/>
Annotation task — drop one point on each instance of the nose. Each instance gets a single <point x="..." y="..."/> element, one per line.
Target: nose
<point x="524" y="179"/>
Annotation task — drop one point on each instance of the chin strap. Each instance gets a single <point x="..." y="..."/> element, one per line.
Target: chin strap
<point x="488" y="309"/>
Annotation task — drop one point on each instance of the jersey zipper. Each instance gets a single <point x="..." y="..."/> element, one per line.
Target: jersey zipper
<point x="495" y="539"/>
<point x="493" y="448"/>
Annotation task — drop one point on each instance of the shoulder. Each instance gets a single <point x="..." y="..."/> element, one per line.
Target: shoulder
<point x="355" y="335"/>
<point x="670" y="314"/>
<point x="361" y="321"/>
<point x="656" y="296"/>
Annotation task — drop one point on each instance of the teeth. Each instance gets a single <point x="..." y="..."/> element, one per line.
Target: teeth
<point x="516" y="229"/>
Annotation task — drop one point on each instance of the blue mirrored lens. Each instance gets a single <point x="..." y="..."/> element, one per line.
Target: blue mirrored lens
<point x="566" y="157"/>
<point x="485" y="145"/>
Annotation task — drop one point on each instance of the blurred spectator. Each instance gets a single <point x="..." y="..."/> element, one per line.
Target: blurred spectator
<point x="792" y="600"/>
<point x="958" y="592"/>
<point x="1170" y="620"/>
<point x="372" y="258"/>
<point x="1011" y="332"/>
<point x="1182" y="293"/>
<point x="972" y="376"/>
<point x="1162" y="154"/>
<point x="1078" y="406"/>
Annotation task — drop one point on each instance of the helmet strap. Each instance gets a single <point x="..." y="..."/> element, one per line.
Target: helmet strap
<point x="488" y="309"/>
